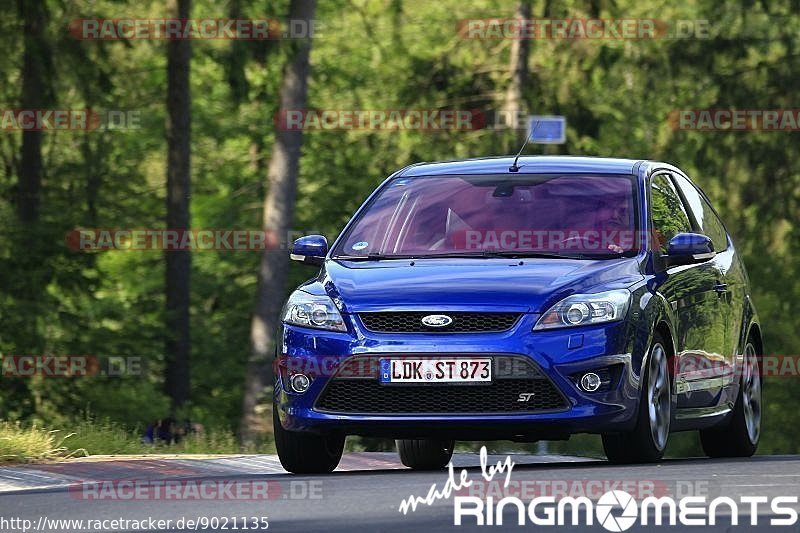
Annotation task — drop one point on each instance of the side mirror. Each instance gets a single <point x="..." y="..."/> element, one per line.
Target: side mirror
<point x="310" y="250"/>
<point x="688" y="249"/>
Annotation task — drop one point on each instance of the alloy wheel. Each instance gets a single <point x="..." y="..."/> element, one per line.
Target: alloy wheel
<point x="658" y="396"/>
<point x="751" y="393"/>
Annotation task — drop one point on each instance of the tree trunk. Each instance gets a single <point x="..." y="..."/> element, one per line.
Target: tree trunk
<point x="178" y="263"/>
<point x="27" y="263"/>
<point x="237" y="59"/>
<point x="512" y="107"/>
<point x="277" y="217"/>
<point x="35" y="95"/>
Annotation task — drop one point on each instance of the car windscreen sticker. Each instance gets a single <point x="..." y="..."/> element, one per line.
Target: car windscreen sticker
<point x="360" y="245"/>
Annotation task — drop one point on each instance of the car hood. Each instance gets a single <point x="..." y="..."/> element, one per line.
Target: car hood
<point x="526" y="285"/>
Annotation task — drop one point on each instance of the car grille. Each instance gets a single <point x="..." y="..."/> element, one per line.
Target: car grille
<point x="512" y="375"/>
<point x="411" y="322"/>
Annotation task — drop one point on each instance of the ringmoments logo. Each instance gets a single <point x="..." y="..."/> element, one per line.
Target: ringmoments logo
<point x="616" y="499"/>
<point x="615" y="510"/>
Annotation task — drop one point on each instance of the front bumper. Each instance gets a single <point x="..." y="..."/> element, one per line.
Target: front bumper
<point x="559" y="355"/>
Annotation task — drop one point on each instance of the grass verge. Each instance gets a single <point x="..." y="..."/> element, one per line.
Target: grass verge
<point x="21" y="443"/>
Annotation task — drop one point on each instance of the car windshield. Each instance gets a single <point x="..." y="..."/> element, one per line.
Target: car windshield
<point x="581" y="216"/>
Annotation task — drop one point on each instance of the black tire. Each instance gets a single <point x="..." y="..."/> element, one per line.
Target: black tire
<point x="306" y="453"/>
<point x="644" y="444"/>
<point x="734" y="438"/>
<point x="425" y="454"/>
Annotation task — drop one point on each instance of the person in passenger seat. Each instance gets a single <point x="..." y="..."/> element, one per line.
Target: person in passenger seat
<point x="613" y="215"/>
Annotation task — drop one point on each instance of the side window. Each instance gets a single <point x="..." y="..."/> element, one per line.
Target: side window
<point x="667" y="211"/>
<point x="709" y="222"/>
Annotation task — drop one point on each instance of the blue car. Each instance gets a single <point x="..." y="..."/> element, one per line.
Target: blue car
<point x="490" y="299"/>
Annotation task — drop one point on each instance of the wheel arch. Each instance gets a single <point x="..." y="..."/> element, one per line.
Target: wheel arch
<point x="663" y="328"/>
<point x="754" y="334"/>
<point x="660" y="320"/>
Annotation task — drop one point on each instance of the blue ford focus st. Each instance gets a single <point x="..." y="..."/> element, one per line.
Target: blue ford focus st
<point x="489" y="299"/>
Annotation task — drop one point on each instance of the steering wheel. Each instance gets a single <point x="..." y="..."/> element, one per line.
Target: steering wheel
<point x="592" y="244"/>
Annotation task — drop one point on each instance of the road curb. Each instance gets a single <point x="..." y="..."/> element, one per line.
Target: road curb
<point x="64" y="474"/>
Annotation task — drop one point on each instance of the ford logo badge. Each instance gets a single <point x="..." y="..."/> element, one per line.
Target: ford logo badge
<point x="437" y="321"/>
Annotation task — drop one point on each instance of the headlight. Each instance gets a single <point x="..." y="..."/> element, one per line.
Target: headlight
<point x="586" y="309"/>
<point x="311" y="311"/>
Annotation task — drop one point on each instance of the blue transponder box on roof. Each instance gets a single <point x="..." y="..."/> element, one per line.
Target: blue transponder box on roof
<point x="547" y="129"/>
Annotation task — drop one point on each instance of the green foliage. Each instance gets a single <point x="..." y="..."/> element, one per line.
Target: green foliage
<point x="27" y="444"/>
<point x="22" y="443"/>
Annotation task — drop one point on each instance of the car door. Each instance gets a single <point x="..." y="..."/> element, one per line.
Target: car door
<point x="729" y="286"/>
<point x="691" y="292"/>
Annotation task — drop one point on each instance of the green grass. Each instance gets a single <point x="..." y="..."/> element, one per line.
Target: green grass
<point x="30" y="443"/>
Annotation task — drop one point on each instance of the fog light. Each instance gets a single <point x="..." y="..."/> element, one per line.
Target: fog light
<point x="590" y="382"/>
<point x="300" y="382"/>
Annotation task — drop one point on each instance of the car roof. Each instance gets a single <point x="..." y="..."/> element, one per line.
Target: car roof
<point x="526" y="164"/>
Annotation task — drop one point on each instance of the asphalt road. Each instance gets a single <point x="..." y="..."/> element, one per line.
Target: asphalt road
<point x="369" y="500"/>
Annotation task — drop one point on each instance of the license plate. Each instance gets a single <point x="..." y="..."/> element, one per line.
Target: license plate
<point x="448" y="370"/>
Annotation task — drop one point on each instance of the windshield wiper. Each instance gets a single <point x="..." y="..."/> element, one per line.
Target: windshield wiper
<point x="372" y="256"/>
<point x="516" y="255"/>
<point x="487" y="254"/>
<point x="521" y="254"/>
<point x="490" y="254"/>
